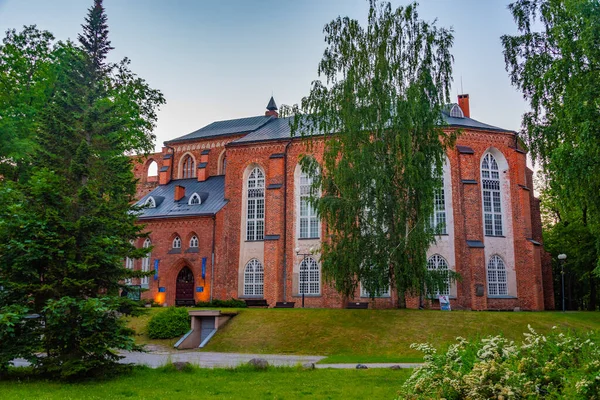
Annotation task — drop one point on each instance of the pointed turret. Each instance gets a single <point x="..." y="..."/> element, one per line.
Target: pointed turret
<point x="272" y="109"/>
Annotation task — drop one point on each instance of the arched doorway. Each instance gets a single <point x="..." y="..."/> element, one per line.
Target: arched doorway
<point x="184" y="292"/>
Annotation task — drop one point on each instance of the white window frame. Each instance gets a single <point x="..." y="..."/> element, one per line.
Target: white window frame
<point x="194" y="241"/>
<point x="255" y="212"/>
<point x="308" y="221"/>
<point x="497" y="277"/>
<point x="437" y="262"/>
<point x="146" y="262"/>
<point x="195" y="200"/>
<point x="188" y="167"/>
<point x="309" y="277"/>
<point x="177" y="242"/>
<point x="439" y="210"/>
<point x="150" y="202"/>
<point x="364" y="293"/>
<point x="491" y="189"/>
<point x="254" y="277"/>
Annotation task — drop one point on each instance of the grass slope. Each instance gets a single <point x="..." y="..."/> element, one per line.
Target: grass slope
<point x="241" y="383"/>
<point x="370" y="335"/>
<point x="377" y="335"/>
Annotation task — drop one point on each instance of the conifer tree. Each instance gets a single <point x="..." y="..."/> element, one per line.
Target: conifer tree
<point x="68" y="226"/>
<point x="380" y="111"/>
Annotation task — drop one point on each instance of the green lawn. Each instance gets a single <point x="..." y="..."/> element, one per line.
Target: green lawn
<point x="241" y="383"/>
<point x="371" y="335"/>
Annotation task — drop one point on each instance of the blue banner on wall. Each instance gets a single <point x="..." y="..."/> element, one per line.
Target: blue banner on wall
<point x="203" y="267"/>
<point x="156" y="270"/>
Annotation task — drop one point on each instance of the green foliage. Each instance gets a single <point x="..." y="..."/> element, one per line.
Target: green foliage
<point x="67" y="219"/>
<point x="555" y="62"/>
<point x="172" y="322"/>
<point x="233" y="303"/>
<point x="566" y="230"/>
<point x="556" y="365"/>
<point x="27" y="73"/>
<point x="92" y="328"/>
<point x="380" y="110"/>
<point x="17" y="334"/>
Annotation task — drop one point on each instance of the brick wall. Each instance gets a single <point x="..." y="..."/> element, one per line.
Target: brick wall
<point x="531" y="272"/>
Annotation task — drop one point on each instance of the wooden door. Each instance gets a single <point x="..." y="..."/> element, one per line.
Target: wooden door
<point x="184" y="292"/>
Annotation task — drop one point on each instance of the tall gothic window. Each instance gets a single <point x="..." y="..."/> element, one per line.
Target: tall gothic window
<point x="492" y="209"/>
<point x="254" y="276"/>
<point x="255" y="217"/>
<point x="438" y="219"/>
<point x="194" y="241"/>
<point x="129" y="265"/>
<point x="438" y="263"/>
<point x="177" y="242"/>
<point x="146" y="261"/>
<point x="496" y="273"/>
<point x="310" y="277"/>
<point x="188" y="167"/>
<point x="309" y="222"/>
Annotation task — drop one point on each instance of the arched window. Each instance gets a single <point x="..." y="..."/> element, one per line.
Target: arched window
<point x="177" y="242"/>
<point x="195" y="200"/>
<point x="309" y="222"/>
<point x="438" y="263"/>
<point x="129" y="265"/>
<point x="152" y="169"/>
<point x="150" y="202"/>
<point x="255" y="218"/>
<point x="194" y="241"/>
<point x="492" y="209"/>
<point x="254" y="276"/>
<point x="146" y="262"/>
<point x="224" y="165"/>
<point x="438" y="219"/>
<point x="310" y="277"/>
<point x="188" y="170"/>
<point x="496" y="273"/>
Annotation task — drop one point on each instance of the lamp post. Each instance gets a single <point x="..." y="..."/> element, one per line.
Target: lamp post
<point x="304" y="255"/>
<point x="561" y="259"/>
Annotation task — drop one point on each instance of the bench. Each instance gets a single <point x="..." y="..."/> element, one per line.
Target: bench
<point x="285" y="304"/>
<point x="256" y="303"/>
<point x="352" y="305"/>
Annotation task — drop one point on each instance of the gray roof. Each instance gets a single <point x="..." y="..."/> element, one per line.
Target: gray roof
<point x="470" y="123"/>
<point x="279" y="128"/>
<point x="228" y="127"/>
<point x="211" y="191"/>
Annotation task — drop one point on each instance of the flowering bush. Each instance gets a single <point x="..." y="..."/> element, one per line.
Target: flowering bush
<point x="556" y="365"/>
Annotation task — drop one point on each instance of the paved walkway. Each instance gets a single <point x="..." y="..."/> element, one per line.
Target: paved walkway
<point x="156" y="359"/>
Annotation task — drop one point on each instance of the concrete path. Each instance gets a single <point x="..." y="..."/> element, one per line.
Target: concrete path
<point x="156" y="359"/>
<point x="213" y="360"/>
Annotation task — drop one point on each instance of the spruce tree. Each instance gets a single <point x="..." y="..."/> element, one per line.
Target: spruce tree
<point x="68" y="228"/>
<point x="380" y="110"/>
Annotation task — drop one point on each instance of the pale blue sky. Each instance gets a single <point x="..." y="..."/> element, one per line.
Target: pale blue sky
<point x="217" y="60"/>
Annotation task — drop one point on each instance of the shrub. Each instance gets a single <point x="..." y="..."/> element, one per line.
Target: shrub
<point x="233" y="303"/>
<point x="557" y="365"/>
<point x="169" y="324"/>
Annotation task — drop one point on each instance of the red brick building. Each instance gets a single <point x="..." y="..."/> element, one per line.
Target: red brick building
<point x="228" y="216"/>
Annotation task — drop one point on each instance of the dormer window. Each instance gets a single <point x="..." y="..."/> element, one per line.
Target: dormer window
<point x="150" y="203"/>
<point x="456" y="112"/>
<point x="195" y="199"/>
<point x="177" y="242"/>
<point x="194" y="241"/>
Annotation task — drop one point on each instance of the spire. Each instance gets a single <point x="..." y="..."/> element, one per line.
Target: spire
<point x="272" y="106"/>
<point x="272" y="109"/>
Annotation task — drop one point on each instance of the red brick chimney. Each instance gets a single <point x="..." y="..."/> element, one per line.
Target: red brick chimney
<point x="179" y="192"/>
<point x="463" y="103"/>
